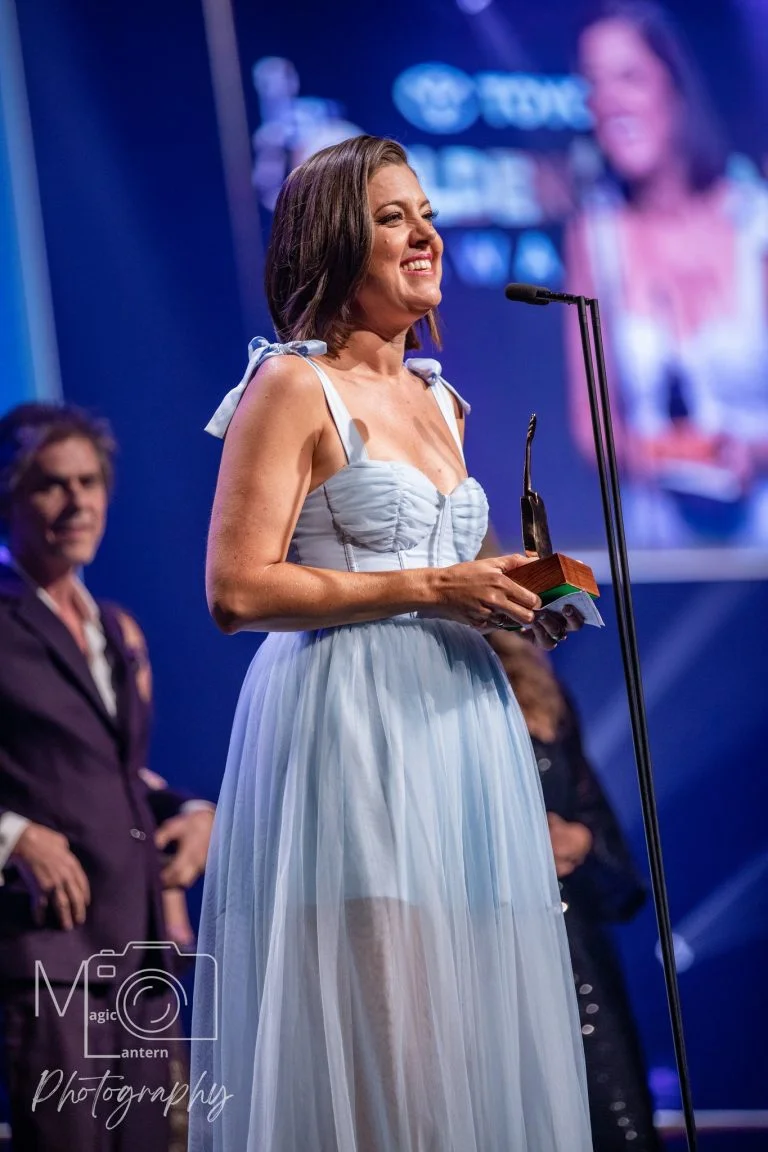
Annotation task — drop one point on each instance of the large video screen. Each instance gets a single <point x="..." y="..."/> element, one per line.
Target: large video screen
<point x="617" y="152"/>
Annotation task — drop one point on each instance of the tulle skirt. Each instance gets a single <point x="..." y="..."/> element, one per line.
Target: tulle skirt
<point x="391" y="967"/>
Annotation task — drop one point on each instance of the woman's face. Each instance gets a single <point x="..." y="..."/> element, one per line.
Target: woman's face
<point x="632" y="99"/>
<point x="405" y="270"/>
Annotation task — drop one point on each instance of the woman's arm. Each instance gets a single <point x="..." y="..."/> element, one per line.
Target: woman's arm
<point x="268" y="466"/>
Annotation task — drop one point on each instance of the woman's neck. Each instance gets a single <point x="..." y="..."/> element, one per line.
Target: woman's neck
<point x="666" y="192"/>
<point x="371" y="353"/>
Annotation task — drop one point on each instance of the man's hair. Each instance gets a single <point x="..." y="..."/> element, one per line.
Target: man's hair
<point x="28" y="428"/>
<point x="321" y="242"/>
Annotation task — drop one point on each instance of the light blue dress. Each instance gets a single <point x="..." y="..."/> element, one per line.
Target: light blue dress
<point x="380" y="898"/>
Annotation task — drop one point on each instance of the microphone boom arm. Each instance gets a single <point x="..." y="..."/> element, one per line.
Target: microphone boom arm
<point x="605" y="453"/>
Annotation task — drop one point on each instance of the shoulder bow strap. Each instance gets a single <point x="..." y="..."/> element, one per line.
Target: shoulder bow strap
<point x="430" y="372"/>
<point x="259" y="350"/>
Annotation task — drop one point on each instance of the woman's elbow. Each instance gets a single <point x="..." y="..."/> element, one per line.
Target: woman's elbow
<point x="228" y="608"/>
<point x="225" y="619"/>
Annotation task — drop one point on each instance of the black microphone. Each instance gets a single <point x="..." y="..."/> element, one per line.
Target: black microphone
<point x="605" y="452"/>
<point x="535" y="294"/>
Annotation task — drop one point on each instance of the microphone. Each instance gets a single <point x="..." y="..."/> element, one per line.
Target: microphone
<point x="535" y="294"/>
<point x="605" y="451"/>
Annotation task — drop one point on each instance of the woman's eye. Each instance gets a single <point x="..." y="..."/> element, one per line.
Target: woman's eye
<point x="396" y="217"/>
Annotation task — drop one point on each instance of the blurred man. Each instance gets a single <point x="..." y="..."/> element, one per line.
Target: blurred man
<point x="82" y="822"/>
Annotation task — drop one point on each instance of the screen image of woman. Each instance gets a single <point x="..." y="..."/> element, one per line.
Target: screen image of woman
<point x="675" y="247"/>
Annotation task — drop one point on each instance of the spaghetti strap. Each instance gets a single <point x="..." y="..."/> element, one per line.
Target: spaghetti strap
<point x="351" y="439"/>
<point x="260" y="350"/>
<point x="429" y="371"/>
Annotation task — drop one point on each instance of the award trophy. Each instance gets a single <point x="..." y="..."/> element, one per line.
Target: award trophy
<point x="552" y="575"/>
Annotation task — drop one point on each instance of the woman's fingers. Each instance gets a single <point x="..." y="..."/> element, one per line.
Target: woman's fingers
<point x="518" y="602"/>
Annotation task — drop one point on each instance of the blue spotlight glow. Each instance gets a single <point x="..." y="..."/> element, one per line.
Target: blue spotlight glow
<point x="472" y="7"/>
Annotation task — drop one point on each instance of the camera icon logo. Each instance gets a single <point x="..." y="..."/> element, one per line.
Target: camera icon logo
<point x="148" y="1002"/>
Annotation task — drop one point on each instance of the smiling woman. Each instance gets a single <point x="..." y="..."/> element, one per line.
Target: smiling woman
<point x="677" y="251"/>
<point x="381" y="900"/>
<point x="318" y="260"/>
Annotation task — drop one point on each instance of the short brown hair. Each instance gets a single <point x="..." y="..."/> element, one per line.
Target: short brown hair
<point x="28" y="428"/>
<point x="321" y="242"/>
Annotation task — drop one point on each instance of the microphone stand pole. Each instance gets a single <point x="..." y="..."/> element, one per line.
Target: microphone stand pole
<point x="602" y="429"/>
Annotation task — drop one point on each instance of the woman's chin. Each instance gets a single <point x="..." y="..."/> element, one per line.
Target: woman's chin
<point x="635" y="165"/>
<point x="426" y="301"/>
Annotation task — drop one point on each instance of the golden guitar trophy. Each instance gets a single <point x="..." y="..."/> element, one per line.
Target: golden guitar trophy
<point x="553" y="575"/>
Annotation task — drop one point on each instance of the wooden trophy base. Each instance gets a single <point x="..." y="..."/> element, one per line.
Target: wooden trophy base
<point x="555" y="576"/>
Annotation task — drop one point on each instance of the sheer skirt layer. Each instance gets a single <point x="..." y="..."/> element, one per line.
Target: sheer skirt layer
<point x="392" y="968"/>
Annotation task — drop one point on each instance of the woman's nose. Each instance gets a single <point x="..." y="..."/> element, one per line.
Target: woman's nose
<point x="423" y="234"/>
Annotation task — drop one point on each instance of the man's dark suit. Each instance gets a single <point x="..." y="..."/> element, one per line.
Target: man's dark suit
<point x="67" y="764"/>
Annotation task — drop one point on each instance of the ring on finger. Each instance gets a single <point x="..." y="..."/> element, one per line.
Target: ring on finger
<point x="556" y="637"/>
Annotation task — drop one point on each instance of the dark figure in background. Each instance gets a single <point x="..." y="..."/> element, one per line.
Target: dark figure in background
<point x="82" y="821"/>
<point x="599" y="885"/>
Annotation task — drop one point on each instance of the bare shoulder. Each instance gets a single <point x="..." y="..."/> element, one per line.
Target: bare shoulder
<point x="284" y="388"/>
<point x="287" y="378"/>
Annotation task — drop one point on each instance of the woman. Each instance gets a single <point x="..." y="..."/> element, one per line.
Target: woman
<point x="599" y="885"/>
<point x="381" y="901"/>
<point x="676" y="252"/>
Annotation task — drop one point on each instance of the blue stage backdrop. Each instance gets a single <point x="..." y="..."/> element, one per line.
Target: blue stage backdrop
<point x="28" y="361"/>
<point x="145" y="289"/>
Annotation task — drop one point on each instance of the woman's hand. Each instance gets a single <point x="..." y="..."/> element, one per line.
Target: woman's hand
<point x="483" y="593"/>
<point x="571" y="843"/>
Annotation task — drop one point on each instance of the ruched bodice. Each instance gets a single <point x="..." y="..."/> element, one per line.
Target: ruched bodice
<point x="376" y="515"/>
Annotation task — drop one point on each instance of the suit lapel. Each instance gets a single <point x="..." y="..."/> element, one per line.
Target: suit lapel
<point x="122" y="679"/>
<point x="34" y="615"/>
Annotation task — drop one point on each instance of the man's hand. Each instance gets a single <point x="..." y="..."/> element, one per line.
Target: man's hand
<point x="56" y="872"/>
<point x="549" y="628"/>
<point x="571" y="843"/>
<point x="192" y="832"/>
